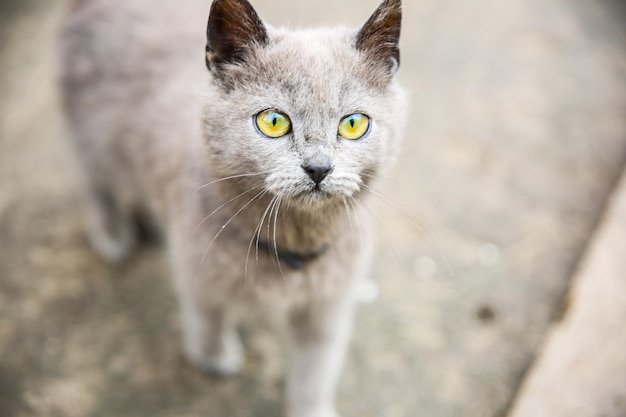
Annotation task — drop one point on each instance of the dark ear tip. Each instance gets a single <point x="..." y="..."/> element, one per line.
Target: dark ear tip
<point x="380" y="35"/>
<point x="393" y="7"/>
<point x="232" y="27"/>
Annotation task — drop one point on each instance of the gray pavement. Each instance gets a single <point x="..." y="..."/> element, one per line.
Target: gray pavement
<point x="581" y="369"/>
<point x="516" y="139"/>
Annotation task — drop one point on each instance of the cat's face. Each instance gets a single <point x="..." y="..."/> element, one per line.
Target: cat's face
<point x="313" y="115"/>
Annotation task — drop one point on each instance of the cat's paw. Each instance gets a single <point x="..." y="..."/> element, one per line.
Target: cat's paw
<point x="112" y="241"/>
<point x="114" y="251"/>
<point x="220" y="367"/>
<point x="225" y="364"/>
<point x="325" y="412"/>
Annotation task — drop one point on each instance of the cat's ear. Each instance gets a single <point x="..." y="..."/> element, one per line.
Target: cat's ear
<point x="380" y="35"/>
<point x="233" y="27"/>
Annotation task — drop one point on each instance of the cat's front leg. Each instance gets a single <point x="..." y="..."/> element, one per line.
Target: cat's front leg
<point x="109" y="227"/>
<point x="321" y="331"/>
<point x="210" y="340"/>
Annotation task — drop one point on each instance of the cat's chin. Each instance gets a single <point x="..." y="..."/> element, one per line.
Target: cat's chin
<point x="315" y="198"/>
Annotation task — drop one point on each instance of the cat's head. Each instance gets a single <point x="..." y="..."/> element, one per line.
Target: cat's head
<point x="313" y="114"/>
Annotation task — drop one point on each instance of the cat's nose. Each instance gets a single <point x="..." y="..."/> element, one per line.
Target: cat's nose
<point x="317" y="168"/>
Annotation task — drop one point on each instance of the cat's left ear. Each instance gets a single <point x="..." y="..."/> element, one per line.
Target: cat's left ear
<point x="233" y="28"/>
<point x="380" y="35"/>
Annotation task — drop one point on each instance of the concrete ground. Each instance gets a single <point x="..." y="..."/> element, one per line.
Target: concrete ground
<point x="517" y="137"/>
<point x="580" y="371"/>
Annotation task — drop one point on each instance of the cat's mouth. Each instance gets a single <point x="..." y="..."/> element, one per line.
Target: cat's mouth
<point x="315" y="191"/>
<point x="311" y="196"/>
<point x="316" y="195"/>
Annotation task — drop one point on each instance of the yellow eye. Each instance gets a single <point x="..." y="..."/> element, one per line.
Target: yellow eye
<point x="354" y="126"/>
<point x="273" y="124"/>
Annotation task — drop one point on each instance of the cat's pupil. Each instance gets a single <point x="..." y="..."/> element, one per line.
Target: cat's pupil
<point x="274" y="120"/>
<point x="351" y="122"/>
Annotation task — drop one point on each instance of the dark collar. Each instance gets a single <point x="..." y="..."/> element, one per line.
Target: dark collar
<point x="294" y="259"/>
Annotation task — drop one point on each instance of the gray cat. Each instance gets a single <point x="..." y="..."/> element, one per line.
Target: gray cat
<point x="256" y="170"/>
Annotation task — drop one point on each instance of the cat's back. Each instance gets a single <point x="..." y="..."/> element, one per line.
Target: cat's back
<point x="130" y="49"/>
<point x="131" y="72"/>
<point x="130" y="38"/>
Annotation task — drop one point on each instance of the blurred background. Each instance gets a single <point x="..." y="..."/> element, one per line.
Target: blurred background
<point x="506" y="200"/>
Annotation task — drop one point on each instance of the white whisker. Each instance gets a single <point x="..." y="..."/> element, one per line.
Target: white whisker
<point x="219" y="232"/>
<point x="414" y="220"/>
<point x="380" y="225"/>
<point x="345" y="204"/>
<point x="224" y="204"/>
<point x="257" y="230"/>
<point x="280" y="199"/>
<point x="258" y="235"/>
<point x="229" y="178"/>
<point x="269" y="226"/>
<point x="378" y="177"/>
<point x="358" y="222"/>
<point x="269" y="221"/>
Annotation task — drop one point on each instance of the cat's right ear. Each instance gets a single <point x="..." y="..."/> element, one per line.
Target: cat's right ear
<point x="380" y="35"/>
<point x="233" y="28"/>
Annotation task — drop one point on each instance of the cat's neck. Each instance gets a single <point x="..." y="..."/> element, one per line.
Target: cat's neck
<point x="291" y="228"/>
<point x="279" y="224"/>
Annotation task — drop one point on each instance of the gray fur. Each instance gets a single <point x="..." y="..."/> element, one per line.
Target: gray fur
<point x="157" y="132"/>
